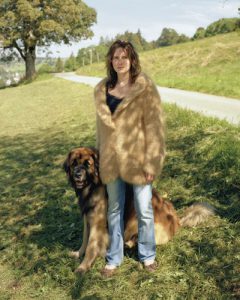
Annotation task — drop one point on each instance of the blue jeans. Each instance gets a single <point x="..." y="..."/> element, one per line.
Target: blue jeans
<point x="143" y="206"/>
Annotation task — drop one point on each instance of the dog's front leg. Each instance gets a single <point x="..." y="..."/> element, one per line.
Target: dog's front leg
<point x="91" y="253"/>
<point x="81" y="251"/>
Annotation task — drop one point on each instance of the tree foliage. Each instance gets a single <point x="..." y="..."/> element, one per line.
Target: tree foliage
<point x="139" y="43"/>
<point x="169" y="37"/>
<point x="45" y="68"/>
<point x="199" y="34"/>
<point x="70" y="63"/>
<point x="59" y="66"/>
<point x="224" y="25"/>
<point x="27" y="24"/>
<point x="96" y="53"/>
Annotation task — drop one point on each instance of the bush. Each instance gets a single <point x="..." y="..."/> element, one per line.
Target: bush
<point x="45" y="68"/>
<point x="71" y="64"/>
<point x="59" y="65"/>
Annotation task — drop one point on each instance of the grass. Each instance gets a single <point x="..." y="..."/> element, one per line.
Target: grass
<point x="40" y="221"/>
<point x="210" y="65"/>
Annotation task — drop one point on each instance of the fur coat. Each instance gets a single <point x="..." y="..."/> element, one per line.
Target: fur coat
<point x="131" y="141"/>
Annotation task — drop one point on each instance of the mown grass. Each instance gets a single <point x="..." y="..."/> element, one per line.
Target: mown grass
<point x="210" y="65"/>
<point x="40" y="220"/>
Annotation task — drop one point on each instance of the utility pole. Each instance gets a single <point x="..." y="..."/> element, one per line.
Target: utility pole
<point x="83" y="58"/>
<point x="97" y="56"/>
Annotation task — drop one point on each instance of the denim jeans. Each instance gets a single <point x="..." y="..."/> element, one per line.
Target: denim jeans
<point x="143" y="207"/>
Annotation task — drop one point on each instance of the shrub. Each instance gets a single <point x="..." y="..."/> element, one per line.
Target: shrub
<point x="45" y="68"/>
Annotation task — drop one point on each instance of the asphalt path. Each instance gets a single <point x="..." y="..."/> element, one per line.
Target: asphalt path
<point x="216" y="106"/>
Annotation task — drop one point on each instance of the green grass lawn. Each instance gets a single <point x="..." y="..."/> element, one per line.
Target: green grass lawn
<point x="40" y="220"/>
<point x="210" y="65"/>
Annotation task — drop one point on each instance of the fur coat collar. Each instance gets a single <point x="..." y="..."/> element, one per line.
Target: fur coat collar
<point x="101" y="106"/>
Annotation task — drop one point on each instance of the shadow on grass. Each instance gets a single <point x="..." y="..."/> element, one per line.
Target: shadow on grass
<point x="79" y="286"/>
<point x="40" y="219"/>
<point x="205" y="166"/>
<point x="212" y="262"/>
<point x="38" y="206"/>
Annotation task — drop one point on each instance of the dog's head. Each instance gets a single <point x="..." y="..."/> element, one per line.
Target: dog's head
<point x="81" y="166"/>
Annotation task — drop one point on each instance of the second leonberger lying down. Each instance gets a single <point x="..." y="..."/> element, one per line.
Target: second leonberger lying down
<point x="82" y="170"/>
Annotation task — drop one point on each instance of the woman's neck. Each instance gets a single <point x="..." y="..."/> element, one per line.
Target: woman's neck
<point x="123" y="79"/>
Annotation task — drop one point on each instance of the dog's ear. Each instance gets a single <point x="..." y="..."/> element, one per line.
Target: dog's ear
<point x="95" y="156"/>
<point x="66" y="164"/>
<point x="95" y="153"/>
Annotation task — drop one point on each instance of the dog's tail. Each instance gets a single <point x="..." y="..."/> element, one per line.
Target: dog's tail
<point x="196" y="214"/>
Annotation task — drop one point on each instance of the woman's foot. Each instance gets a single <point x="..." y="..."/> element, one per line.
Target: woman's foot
<point x="150" y="265"/>
<point x="108" y="271"/>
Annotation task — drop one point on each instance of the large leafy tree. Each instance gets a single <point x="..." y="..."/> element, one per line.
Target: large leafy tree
<point x="199" y="34"/>
<point x="24" y="25"/>
<point x="168" y="37"/>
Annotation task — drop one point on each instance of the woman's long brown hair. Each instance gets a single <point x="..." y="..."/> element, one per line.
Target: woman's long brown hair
<point x="135" y="68"/>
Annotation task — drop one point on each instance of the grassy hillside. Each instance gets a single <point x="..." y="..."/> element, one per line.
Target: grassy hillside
<point x="211" y="65"/>
<point x="40" y="220"/>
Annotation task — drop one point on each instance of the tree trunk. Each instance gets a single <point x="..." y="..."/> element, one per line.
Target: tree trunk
<point x="30" y="63"/>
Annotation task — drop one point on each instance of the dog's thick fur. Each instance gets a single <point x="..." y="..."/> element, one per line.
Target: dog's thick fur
<point x="82" y="169"/>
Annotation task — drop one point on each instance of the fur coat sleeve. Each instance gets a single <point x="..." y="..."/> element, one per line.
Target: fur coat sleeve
<point x="154" y="131"/>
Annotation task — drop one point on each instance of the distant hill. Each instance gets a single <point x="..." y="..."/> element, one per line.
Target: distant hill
<point x="210" y="65"/>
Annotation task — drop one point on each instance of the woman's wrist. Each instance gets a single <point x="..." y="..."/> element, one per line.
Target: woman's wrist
<point x="149" y="177"/>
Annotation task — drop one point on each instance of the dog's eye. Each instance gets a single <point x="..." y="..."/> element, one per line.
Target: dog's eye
<point x="87" y="163"/>
<point x="75" y="163"/>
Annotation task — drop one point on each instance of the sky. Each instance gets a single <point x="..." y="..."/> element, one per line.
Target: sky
<point x="150" y="16"/>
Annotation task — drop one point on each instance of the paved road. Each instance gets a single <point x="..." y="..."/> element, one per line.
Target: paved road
<point x="209" y="105"/>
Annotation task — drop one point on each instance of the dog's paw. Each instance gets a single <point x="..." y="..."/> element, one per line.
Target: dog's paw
<point x="80" y="270"/>
<point x="129" y="244"/>
<point x="74" y="254"/>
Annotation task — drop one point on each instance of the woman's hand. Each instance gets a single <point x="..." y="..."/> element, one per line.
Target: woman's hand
<point x="149" y="177"/>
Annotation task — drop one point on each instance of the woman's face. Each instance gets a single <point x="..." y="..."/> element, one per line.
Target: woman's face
<point x="120" y="61"/>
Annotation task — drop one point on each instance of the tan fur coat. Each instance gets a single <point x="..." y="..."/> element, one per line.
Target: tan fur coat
<point x="131" y="141"/>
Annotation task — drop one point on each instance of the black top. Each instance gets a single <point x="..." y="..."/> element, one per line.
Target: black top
<point x="113" y="102"/>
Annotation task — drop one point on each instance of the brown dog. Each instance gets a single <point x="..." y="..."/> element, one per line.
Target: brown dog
<point x="82" y="169"/>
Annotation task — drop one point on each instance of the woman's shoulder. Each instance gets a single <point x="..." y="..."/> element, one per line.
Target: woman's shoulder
<point x="102" y="84"/>
<point x="145" y="80"/>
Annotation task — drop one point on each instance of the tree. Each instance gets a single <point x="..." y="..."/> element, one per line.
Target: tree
<point x="168" y="37"/>
<point x="59" y="65"/>
<point x="24" y="25"/>
<point x="145" y="45"/>
<point x="199" y="34"/>
<point x="70" y="63"/>
<point x="136" y="39"/>
<point x="222" y="26"/>
<point x="83" y="56"/>
<point x="182" y="38"/>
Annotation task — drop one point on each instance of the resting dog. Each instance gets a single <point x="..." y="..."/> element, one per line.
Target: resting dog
<point x="82" y="170"/>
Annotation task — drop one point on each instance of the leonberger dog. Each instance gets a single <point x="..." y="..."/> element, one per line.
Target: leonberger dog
<point x="82" y="169"/>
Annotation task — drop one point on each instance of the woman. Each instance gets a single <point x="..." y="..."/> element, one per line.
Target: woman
<point x="130" y="139"/>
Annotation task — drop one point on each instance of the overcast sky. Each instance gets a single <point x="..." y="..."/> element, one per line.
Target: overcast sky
<point x="151" y="16"/>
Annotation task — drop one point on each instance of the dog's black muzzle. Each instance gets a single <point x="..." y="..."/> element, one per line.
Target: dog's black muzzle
<point x="80" y="176"/>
